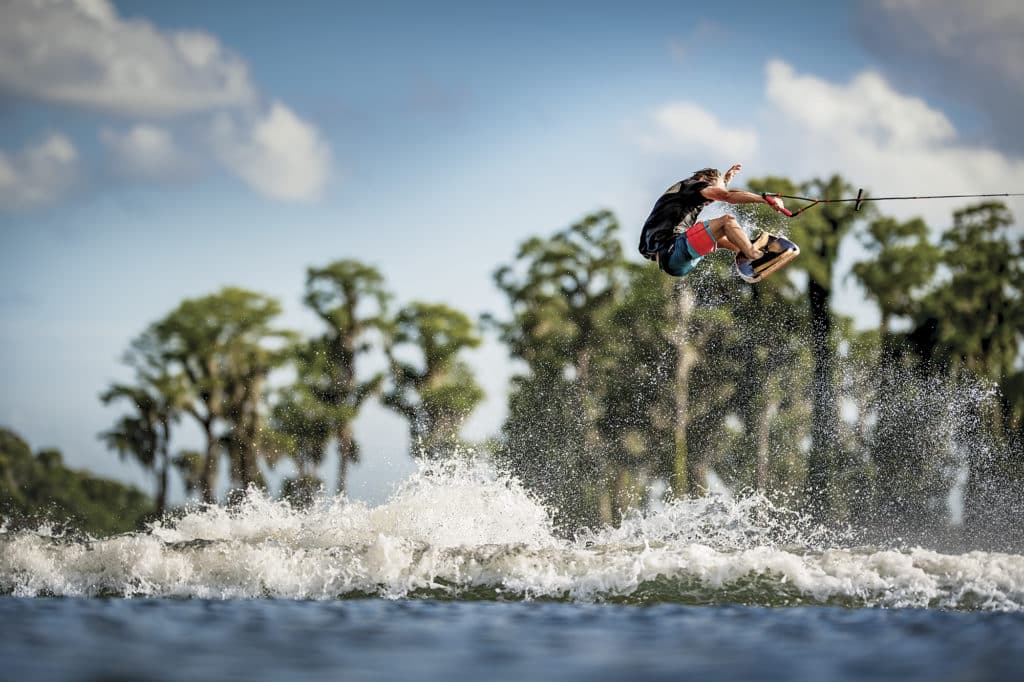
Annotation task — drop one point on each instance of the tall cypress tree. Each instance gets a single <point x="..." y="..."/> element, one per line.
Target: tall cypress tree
<point x="350" y="298"/>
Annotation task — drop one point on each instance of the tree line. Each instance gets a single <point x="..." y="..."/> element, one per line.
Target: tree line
<point x="36" y="488"/>
<point x="633" y="381"/>
<point x="210" y="360"/>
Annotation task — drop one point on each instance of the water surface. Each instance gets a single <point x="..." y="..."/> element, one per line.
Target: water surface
<point x="462" y="575"/>
<point x="160" y="639"/>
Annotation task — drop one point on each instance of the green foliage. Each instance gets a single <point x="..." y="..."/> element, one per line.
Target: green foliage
<point x="911" y="462"/>
<point x="145" y="435"/>
<point x="221" y="349"/>
<point x="974" y="330"/>
<point x="561" y="292"/>
<point x="542" y="443"/>
<point x="436" y="391"/>
<point x="350" y="299"/>
<point x="303" y="422"/>
<point x="756" y="369"/>
<point x="903" y="262"/>
<point x="632" y="376"/>
<point x="979" y="310"/>
<point x="638" y="415"/>
<point x="40" y="489"/>
<point x="189" y="465"/>
<point x="820" y="231"/>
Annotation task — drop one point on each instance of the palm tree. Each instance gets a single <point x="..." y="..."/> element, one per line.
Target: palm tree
<point x="145" y="435"/>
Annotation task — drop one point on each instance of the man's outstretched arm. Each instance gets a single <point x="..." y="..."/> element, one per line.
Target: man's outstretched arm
<point x="732" y="196"/>
<point x="738" y="196"/>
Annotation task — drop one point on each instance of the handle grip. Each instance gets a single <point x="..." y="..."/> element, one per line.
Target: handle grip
<point x="781" y="209"/>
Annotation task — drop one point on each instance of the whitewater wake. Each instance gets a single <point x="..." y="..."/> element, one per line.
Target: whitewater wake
<point x="463" y="532"/>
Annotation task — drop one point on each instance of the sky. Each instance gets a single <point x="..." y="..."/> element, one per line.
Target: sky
<point x="152" y="152"/>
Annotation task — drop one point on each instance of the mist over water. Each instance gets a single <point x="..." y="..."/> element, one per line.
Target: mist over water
<point x="465" y="532"/>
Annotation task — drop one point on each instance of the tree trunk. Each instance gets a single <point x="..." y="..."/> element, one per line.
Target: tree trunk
<point x="825" y="415"/>
<point x="250" y="445"/>
<point x="346" y="453"/>
<point x="605" y="503"/>
<point x="591" y="440"/>
<point x="591" y="437"/>
<point x="683" y="469"/>
<point x="163" y="473"/>
<point x="626" y="494"/>
<point x="209" y="479"/>
<point x="591" y="454"/>
<point x="770" y="406"/>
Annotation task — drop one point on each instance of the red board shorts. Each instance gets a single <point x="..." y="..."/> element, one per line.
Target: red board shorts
<point x="688" y="250"/>
<point x="699" y="240"/>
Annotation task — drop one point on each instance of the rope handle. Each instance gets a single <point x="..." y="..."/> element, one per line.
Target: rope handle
<point x="781" y="209"/>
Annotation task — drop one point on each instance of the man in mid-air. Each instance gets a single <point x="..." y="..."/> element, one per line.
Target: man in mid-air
<point x="677" y="242"/>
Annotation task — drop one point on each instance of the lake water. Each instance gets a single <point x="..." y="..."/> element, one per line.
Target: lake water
<point x="460" y="575"/>
<point x="160" y="639"/>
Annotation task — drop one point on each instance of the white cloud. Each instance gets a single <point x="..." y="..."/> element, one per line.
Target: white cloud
<point x="684" y="126"/>
<point x="971" y="52"/>
<point x="145" y="151"/>
<point x="38" y="174"/>
<point x="880" y="138"/>
<point x="867" y="107"/>
<point x="866" y="130"/>
<point x="81" y="53"/>
<point x="277" y="153"/>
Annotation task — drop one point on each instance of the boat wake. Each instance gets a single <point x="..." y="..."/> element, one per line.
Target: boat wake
<point x="463" y="532"/>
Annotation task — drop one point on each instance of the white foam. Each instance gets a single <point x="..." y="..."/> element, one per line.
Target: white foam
<point x="462" y="530"/>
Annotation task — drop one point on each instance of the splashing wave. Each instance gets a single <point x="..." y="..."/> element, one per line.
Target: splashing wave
<point x="461" y="532"/>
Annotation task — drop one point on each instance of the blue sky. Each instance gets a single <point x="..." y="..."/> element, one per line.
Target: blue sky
<point x="250" y="142"/>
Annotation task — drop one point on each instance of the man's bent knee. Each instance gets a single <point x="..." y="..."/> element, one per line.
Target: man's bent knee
<point x="720" y="224"/>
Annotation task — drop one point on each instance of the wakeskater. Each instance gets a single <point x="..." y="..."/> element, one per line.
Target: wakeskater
<point x="677" y="242"/>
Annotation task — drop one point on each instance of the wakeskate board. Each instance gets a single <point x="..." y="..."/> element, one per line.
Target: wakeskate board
<point x="778" y="251"/>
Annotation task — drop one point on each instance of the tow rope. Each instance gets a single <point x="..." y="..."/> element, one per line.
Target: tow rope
<point x="860" y="199"/>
